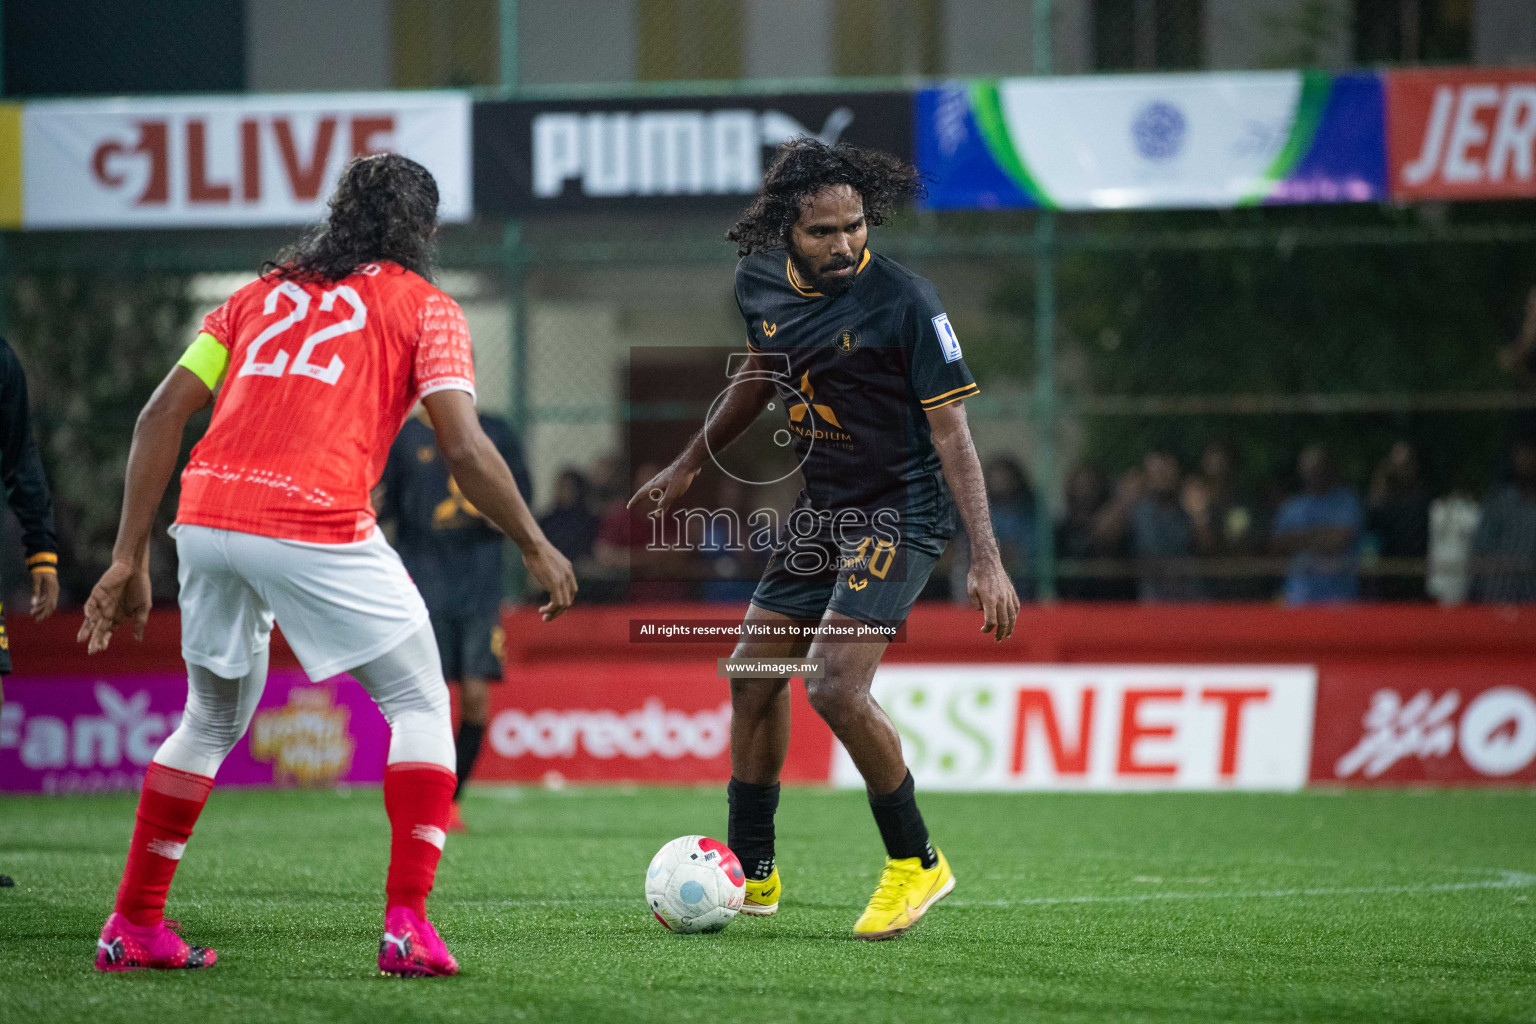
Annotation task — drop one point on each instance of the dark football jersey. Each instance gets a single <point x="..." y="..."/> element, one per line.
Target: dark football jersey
<point x="451" y="551"/>
<point x="869" y="364"/>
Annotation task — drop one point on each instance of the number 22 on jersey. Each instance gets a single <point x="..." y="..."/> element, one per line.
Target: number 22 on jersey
<point x="301" y="364"/>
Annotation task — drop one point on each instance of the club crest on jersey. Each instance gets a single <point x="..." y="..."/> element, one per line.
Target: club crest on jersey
<point x="847" y="340"/>
<point x="949" y="342"/>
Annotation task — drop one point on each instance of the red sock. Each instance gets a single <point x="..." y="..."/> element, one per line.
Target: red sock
<point x="417" y="798"/>
<point x="168" y="808"/>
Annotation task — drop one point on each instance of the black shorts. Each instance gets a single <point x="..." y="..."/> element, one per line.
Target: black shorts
<point x="866" y="579"/>
<point x="470" y="645"/>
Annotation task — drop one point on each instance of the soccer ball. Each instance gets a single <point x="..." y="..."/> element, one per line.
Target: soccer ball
<point x="695" y="884"/>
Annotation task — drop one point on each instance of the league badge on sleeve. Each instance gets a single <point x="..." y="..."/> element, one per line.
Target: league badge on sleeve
<point x="948" y="340"/>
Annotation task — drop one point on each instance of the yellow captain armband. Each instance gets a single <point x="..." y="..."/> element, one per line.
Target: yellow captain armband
<point x="208" y="358"/>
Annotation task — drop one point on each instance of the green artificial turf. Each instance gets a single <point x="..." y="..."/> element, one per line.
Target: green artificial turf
<point x="1385" y="906"/>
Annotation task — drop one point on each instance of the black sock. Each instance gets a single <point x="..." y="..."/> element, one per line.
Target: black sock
<point x="901" y="824"/>
<point x="750" y="834"/>
<point x="468" y="745"/>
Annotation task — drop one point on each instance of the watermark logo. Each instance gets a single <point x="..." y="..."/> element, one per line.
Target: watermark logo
<point x="766" y="454"/>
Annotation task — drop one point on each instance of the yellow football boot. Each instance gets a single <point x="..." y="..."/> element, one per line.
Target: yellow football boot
<point x="763" y="897"/>
<point x="905" y="893"/>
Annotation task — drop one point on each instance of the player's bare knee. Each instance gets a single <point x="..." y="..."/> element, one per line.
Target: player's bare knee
<point x="755" y="698"/>
<point x="835" y="698"/>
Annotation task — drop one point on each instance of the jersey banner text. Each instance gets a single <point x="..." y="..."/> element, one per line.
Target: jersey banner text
<point x="1462" y="133"/>
<point x="213" y="161"/>
<point x="1153" y="141"/>
<point x="996" y="727"/>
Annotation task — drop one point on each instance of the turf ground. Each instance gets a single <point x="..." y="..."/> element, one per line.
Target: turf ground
<point x="1390" y="906"/>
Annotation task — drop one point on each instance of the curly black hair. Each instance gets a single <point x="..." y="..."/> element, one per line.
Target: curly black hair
<point x="384" y="208"/>
<point x="803" y="167"/>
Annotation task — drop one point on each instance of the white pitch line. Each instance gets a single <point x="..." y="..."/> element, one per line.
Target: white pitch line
<point x="1506" y="880"/>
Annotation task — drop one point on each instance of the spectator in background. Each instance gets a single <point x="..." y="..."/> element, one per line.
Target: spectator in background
<point x="1169" y="525"/>
<point x="1319" y="530"/>
<point x="1504" y="547"/>
<point x="733" y="571"/>
<point x="571" y="525"/>
<point x="607" y="485"/>
<point x="454" y="555"/>
<point x="1227" y="520"/>
<point x="1095" y="530"/>
<point x="1012" y="503"/>
<point x="624" y="547"/>
<point x="26" y="491"/>
<point x="1398" y="519"/>
<point x="1453" y="523"/>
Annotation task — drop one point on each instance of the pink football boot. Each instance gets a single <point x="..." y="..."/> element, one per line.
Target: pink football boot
<point x="411" y="948"/>
<point x="124" y="946"/>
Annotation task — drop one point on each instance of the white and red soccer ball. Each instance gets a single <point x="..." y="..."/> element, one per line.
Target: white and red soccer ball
<point x="695" y="884"/>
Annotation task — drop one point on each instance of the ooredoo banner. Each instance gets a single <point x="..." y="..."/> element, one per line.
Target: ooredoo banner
<point x="1150" y="141"/>
<point x="1447" y="722"/>
<point x="227" y="161"/>
<point x="1462" y="133"/>
<point x="623" y="722"/>
<point x="93" y="733"/>
<point x="995" y="727"/>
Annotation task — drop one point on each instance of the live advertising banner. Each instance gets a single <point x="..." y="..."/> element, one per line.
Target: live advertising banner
<point x="663" y="153"/>
<point x="239" y="161"/>
<point x="1464" y="133"/>
<point x="1153" y="141"/>
<point x="98" y="733"/>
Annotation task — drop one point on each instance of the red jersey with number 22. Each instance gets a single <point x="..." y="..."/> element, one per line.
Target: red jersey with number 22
<point x="321" y="376"/>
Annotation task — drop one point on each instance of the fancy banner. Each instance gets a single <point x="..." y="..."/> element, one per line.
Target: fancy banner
<point x="90" y="734"/>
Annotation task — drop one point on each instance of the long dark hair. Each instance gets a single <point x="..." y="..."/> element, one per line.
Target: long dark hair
<point x="803" y="167"/>
<point x="384" y="208"/>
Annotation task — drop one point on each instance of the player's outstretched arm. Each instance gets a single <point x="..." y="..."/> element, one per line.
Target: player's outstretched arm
<point x="742" y="403"/>
<point x="484" y="479"/>
<point x="991" y="591"/>
<point x="122" y="594"/>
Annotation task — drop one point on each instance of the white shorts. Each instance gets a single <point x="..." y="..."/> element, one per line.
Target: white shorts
<point x="339" y="605"/>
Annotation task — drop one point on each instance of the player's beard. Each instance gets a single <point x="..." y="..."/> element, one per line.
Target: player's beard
<point x="822" y="282"/>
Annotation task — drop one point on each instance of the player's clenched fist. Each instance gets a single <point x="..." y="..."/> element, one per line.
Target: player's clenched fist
<point x="554" y="573"/>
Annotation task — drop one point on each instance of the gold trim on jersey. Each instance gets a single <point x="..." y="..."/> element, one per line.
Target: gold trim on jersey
<point x="939" y="401"/>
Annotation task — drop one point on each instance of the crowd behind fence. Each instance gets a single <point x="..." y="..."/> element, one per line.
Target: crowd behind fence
<point x="1382" y="468"/>
<point x="1160" y="532"/>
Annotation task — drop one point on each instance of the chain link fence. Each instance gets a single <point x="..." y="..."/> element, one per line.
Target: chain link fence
<point x="1197" y="355"/>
